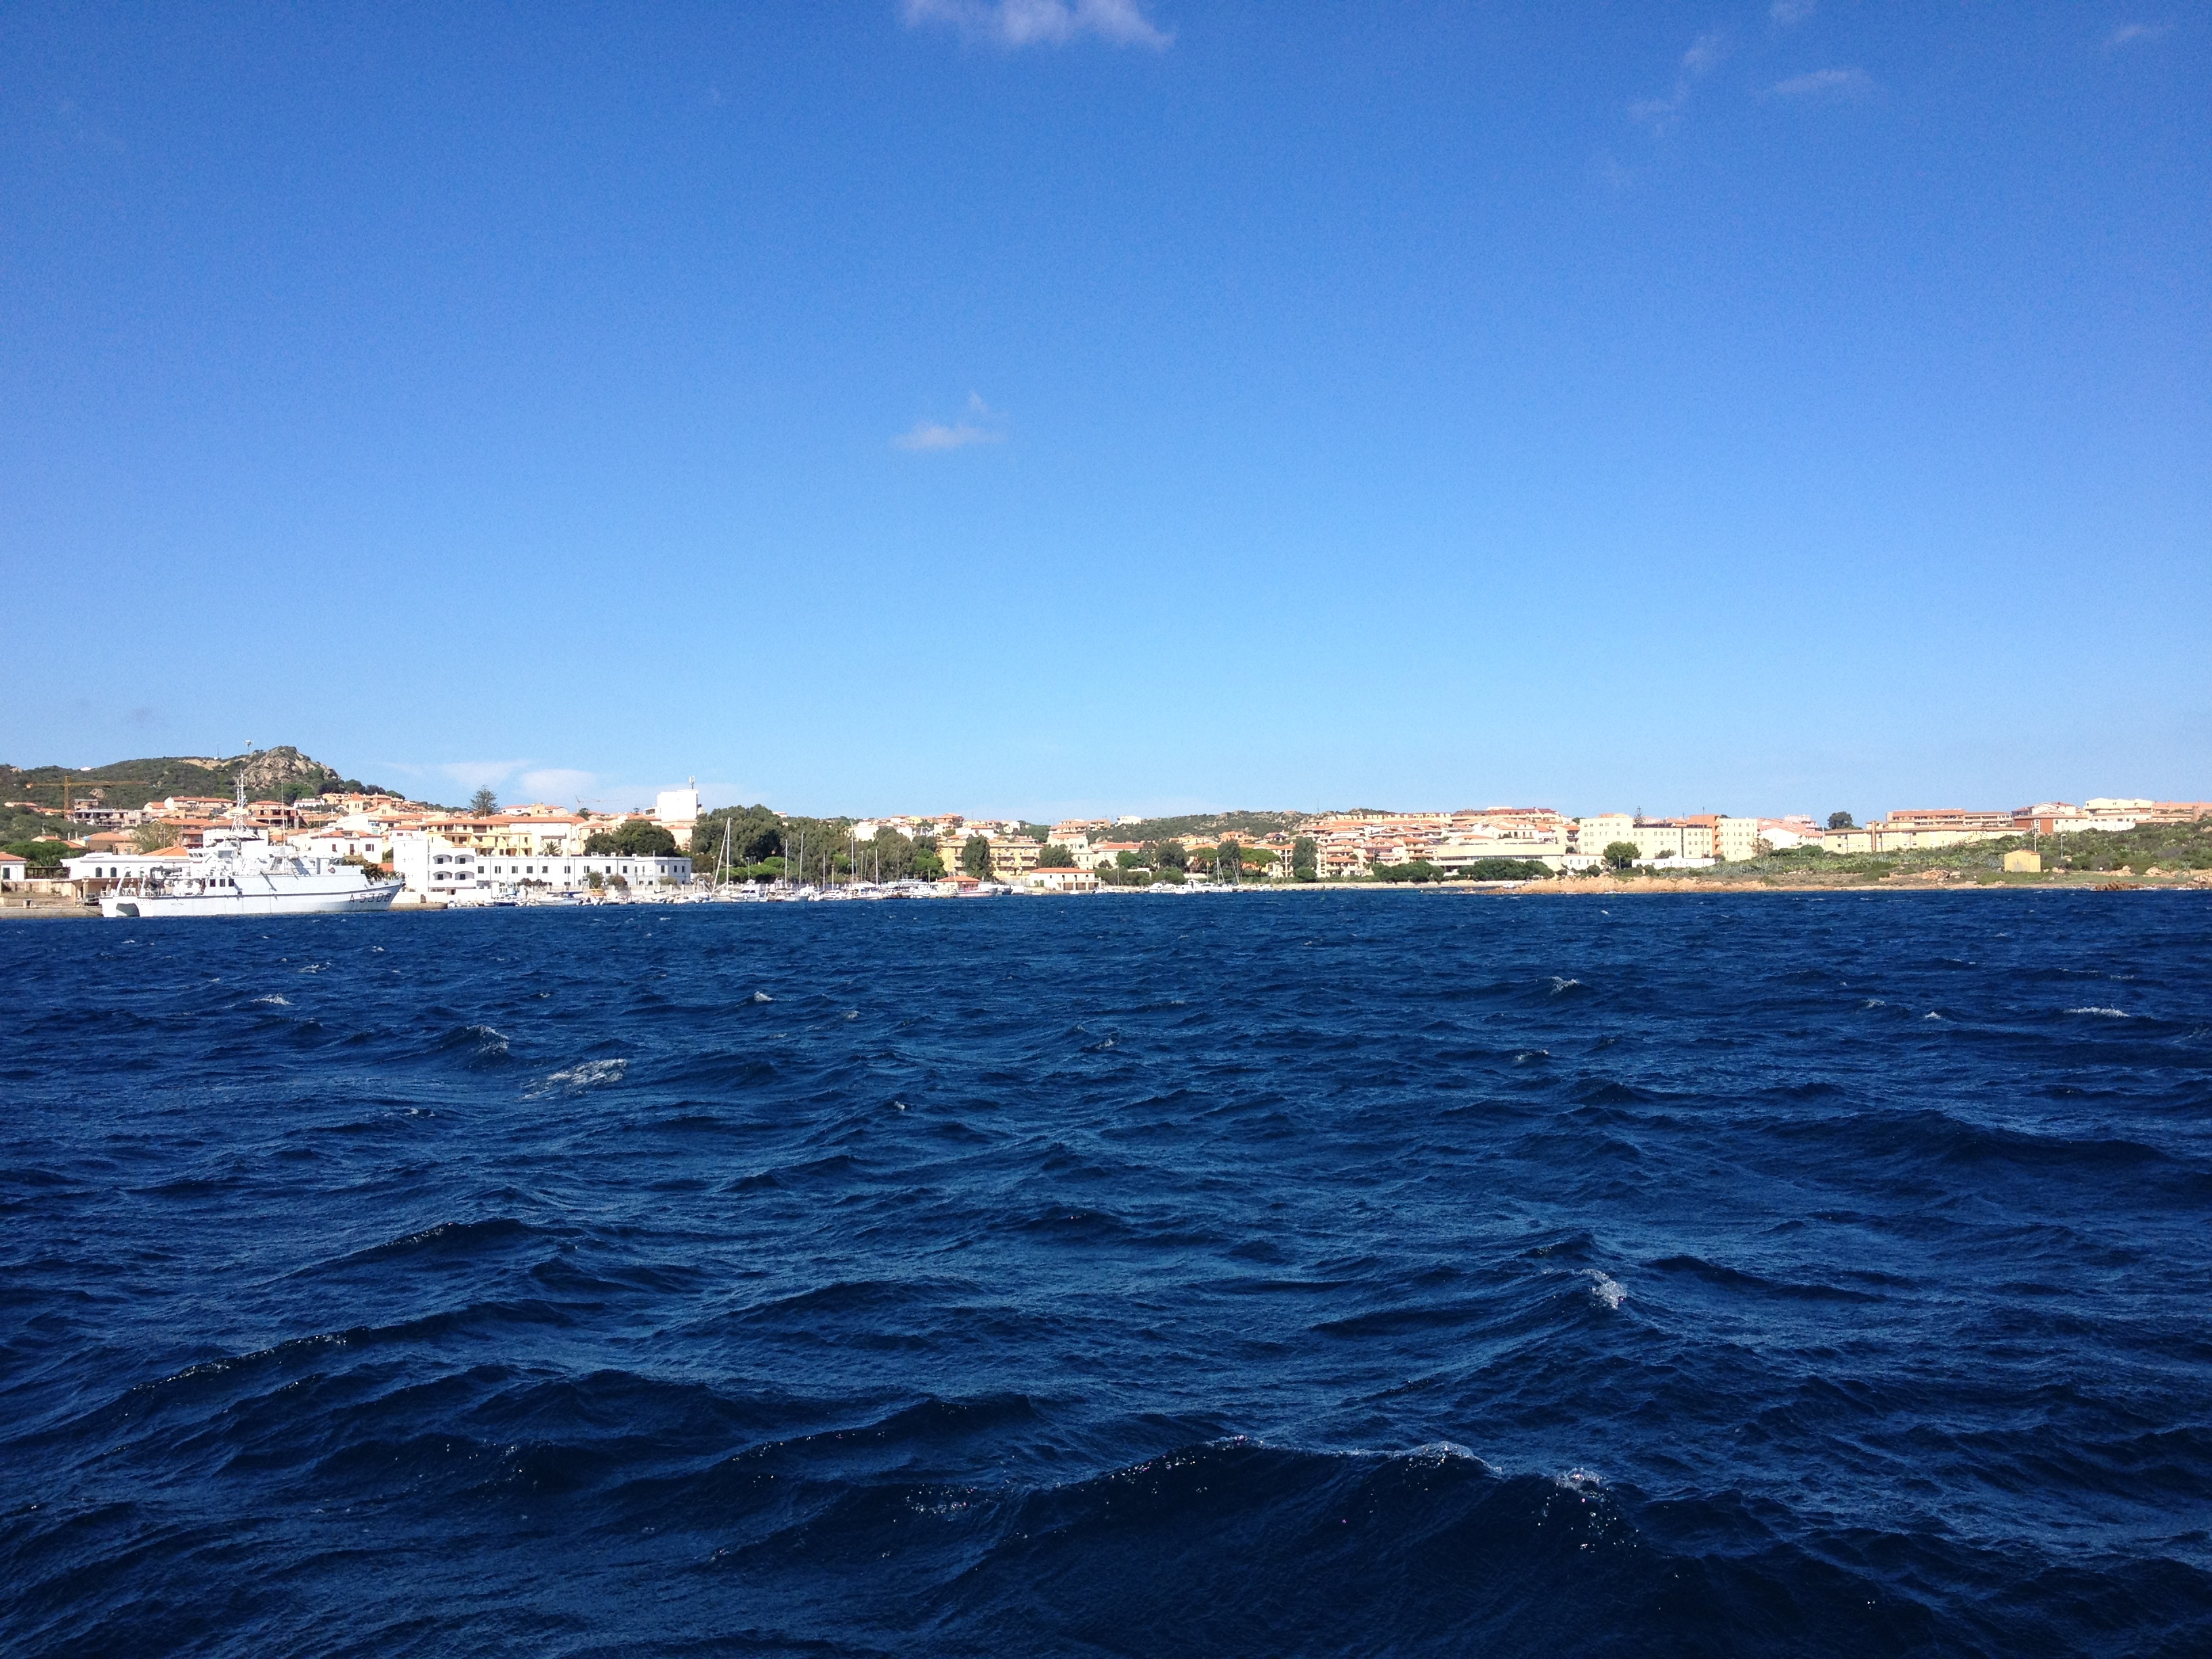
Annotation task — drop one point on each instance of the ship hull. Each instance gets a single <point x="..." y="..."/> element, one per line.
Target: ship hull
<point x="306" y="901"/>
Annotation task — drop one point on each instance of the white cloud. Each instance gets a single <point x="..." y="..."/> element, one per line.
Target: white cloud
<point x="556" y="784"/>
<point x="1041" y="22"/>
<point x="1822" y="83"/>
<point x="480" y="774"/>
<point x="926" y="436"/>
<point x="2128" y="33"/>
<point x="1705" y="52"/>
<point x="1787" y="12"/>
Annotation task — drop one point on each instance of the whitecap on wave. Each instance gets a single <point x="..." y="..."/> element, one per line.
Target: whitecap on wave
<point x="588" y="1074"/>
<point x="2107" y="1013"/>
<point x="1605" y="1289"/>
<point x="275" y="1001"/>
<point x="1435" y="1453"/>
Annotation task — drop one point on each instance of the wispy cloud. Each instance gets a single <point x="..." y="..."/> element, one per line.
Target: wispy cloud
<point x="1041" y="22"/>
<point x="927" y="435"/>
<point x="1788" y="12"/>
<point x="1823" y="83"/>
<point x="560" y="783"/>
<point x="1705" y="52"/>
<point x="2129" y="33"/>
<point x="479" y="775"/>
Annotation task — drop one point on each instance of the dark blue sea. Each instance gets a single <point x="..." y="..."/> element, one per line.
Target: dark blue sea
<point x="1345" y="1274"/>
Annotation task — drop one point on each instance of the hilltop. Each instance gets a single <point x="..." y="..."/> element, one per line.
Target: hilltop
<point x="281" y="773"/>
<point x="1206" y="826"/>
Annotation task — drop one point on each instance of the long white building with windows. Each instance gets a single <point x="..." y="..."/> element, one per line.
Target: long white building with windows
<point x="438" y="869"/>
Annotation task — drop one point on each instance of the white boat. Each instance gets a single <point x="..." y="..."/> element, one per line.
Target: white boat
<point x="240" y="871"/>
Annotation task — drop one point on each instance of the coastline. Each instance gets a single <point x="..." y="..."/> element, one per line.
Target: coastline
<point x="1658" y="887"/>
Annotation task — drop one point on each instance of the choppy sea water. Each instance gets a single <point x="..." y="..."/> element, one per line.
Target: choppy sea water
<point x="1336" y="1273"/>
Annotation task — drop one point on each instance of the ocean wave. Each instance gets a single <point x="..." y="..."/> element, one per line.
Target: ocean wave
<point x="1605" y="1290"/>
<point x="480" y="1045"/>
<point x="578" y="1079"/>
<point x="1290" y="1329"/>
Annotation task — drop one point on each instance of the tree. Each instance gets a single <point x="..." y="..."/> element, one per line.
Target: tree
<point x="634" y="838"/>
<point x="1053" y="856"/>
<point x="1507" y="870"/>
<point x="1229" y="861"/>
<point x="1841" y="821"/>
<point x="1412" y="870"/>
<point x="1169" y="855"/>
<point x="483" y="804"/>
<point x="975" y="856"/>
<point x="153" y="837"/>
<point x="754" y="834"/>
<point x="1125" y="860"/>
<point x="1621" y="855"/>
<point x="1306" y="860"/>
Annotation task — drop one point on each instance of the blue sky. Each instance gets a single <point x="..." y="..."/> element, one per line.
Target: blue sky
<point x="1086" y="406"/>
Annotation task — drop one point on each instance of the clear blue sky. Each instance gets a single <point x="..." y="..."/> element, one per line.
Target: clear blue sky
<point x="1072" y="405"/>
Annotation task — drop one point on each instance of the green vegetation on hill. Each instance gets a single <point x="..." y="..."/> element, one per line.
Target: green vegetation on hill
<point x="281" y="774"/>
<point x="2156" y="847"/>
<point x="1205" y="826"/>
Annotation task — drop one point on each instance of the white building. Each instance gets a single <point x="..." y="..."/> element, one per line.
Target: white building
<point x="1055" y="880"/>
<point x="1594" y="833"/>
<point x="1736" y="839"/>
<point x="677" y="810"/>
<point x="1104" y="854"/>
<point x="434" y="868"/>
<point x="11" y="867"/>
<point x="366" y="844"/>
<point x="1457" y="852"/>
<point x="511" y="874"/>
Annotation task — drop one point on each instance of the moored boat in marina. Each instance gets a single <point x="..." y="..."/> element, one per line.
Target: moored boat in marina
<point x="240" y="871"/>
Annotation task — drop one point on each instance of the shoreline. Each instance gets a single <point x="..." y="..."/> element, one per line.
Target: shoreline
<point x="1657" y="888"/>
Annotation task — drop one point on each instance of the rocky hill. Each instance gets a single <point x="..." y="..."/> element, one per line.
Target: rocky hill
<point x="280" y="773"/>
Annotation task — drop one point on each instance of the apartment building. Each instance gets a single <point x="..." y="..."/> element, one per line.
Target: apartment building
<point x="434" y="866"/>
<point x="1012" y="856"/>
<point x="1915" y="820"/>
<point x="1105" y="855"/>
<point x="1594" y="833"/>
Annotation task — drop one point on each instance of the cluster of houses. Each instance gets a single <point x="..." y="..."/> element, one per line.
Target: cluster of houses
<point x="450" y="857"/>
<point x="1357" y="844"/>
<point x="442" y="856"/>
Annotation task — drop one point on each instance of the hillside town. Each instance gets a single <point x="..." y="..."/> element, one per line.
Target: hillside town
<point x="489" y="854"/>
